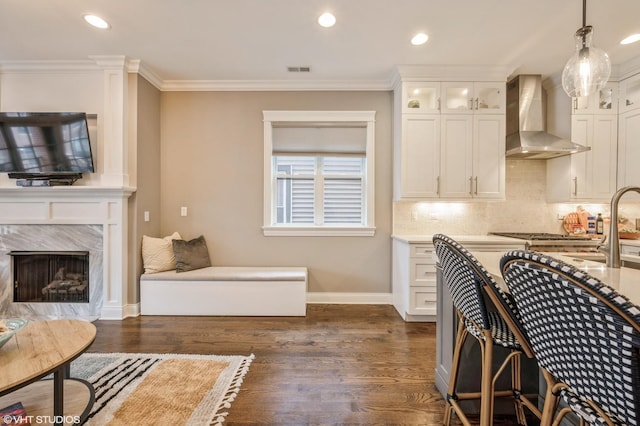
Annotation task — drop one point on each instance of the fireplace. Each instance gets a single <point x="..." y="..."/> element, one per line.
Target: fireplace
<point x="50" y="276"/>
<point x="74" y="218"/>
<point x="45" y="241"/>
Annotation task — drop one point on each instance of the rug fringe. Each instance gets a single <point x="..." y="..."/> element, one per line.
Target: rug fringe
<point x="220" y="416"/>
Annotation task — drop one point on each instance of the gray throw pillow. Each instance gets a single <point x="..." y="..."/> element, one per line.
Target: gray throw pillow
<point x="191" y="255"/>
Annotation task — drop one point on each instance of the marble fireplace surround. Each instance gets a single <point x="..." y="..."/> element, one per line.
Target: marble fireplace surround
<point x="92" y="219"/>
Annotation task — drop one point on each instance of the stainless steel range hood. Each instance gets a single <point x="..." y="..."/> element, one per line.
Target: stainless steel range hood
<point x="526" y="118"/>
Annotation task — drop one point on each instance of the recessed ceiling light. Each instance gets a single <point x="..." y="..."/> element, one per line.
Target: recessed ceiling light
<point x="420" y="38"/>
<point x="631" y="39"/>
<point x="96" y="21"/>
<point x="327" y="20"/>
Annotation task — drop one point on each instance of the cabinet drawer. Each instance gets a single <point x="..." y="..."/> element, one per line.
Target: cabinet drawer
<point x="629" y="250"/>
<point x="422" y="301"/>
<point x="422" y="273"/>
<point x="423" y="250"/>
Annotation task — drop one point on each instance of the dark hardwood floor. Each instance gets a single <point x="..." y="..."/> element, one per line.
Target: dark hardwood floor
<point x="341" y="364"/>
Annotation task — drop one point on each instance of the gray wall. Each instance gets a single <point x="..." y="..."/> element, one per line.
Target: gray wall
<point x="212" y="163"/>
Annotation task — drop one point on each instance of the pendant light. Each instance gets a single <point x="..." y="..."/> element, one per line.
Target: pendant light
<point x="588" y="70"/>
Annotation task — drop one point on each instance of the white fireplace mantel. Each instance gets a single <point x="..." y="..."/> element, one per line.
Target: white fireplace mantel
<point x="80" y="205"/>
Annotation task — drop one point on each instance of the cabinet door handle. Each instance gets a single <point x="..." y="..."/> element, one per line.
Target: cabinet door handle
<point x="575" y="186"/>
<point x="471" y="185"/>
<point x="477" y="103"/>
<point x="471" y="103"/>
<point x="476" y="185"/>
<point x="438" y="185"/>
<point x="439" y="107"/>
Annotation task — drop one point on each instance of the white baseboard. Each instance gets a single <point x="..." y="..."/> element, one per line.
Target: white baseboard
<point x="120" y="313"/>
<point x="132" y="310"/>
<point x="351" y="298"/>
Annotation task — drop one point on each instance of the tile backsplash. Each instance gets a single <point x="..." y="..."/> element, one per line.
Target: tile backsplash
<point x="524" y="210"/>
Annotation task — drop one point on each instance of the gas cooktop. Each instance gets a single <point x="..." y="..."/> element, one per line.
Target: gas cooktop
<point x="541" y="236"/>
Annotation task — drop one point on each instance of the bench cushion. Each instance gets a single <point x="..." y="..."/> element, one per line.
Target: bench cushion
<point x="232" y="273"/>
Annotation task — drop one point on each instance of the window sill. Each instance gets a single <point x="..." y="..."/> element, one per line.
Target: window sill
<point x="319" y="231"/>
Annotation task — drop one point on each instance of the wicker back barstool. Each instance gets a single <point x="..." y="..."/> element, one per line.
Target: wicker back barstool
<point x="585" y="336"/>
<point x="467" y="281"/>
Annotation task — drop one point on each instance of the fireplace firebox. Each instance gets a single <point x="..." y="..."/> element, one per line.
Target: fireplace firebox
<point x="50" y="276"/>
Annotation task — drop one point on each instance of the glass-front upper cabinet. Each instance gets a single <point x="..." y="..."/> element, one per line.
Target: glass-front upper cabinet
<point x="605" y="101"/>
<point x="630" y="94"/>
<point x="465" y="97"/>
<point x="421" y="97"/>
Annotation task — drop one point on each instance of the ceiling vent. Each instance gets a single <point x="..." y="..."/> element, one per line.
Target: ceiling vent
<point x="299" y="69"/>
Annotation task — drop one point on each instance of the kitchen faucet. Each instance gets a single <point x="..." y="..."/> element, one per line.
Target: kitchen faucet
<point x="612" y="250"/>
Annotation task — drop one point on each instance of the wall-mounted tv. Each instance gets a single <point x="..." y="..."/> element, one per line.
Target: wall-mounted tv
<point x="45" y="145"/>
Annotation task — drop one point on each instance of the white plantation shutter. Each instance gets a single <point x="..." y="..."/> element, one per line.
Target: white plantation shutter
<point x="319" y="190"/>
<point x="295" y="178"/>
<point x="343" y="195"/>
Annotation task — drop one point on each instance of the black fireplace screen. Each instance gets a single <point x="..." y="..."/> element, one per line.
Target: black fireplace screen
<point x="50" y="276"/>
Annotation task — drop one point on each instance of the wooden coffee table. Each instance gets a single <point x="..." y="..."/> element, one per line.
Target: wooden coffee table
<point x="38" y="350"/>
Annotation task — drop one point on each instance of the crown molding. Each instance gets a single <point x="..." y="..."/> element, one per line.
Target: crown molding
<point x="629" y="68"/>
<point x="41" y="67"/>
<point x="273" y="85"/>
<point x="138" y="67"/>
<point x="99" y="63"/>
<point x="450" y="73"/>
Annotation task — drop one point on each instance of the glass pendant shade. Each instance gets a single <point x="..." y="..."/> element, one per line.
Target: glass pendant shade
<point x="588" y="69"/>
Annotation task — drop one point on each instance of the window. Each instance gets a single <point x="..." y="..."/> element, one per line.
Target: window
<point x="319" y="173"/>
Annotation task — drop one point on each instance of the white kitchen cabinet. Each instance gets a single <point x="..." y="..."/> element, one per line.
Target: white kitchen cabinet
<point x="421" y="98"/>
<point x="472" y="156"/>
<point x="630" y="94"/>
<point x="588" y="176"/>
<point x="419" y="166"/>
<point x="603" y="102"/>
<point x="629" y="149"/>
<point x="414" y="274"/>
<point x="489" y="156"/>
<point x="414" y="280"/>
<point x="475" y="97"/>
<point x="630" y="253"/>
<point x="445" y="154"/>
<point x="456" y="156"/>
<point x="446" y="121"/>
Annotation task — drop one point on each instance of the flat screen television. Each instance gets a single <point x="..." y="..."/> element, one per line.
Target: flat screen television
<point x="45" y="145"/>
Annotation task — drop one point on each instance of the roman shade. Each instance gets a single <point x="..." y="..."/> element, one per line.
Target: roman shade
<point x="319" y="138"/>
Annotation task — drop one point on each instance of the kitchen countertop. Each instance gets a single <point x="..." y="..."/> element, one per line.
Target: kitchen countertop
<point x="483" y="239"/>
<point x="624" y="280"/>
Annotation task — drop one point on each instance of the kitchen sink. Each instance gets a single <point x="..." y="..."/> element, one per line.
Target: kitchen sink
<point x="602" y="259"/>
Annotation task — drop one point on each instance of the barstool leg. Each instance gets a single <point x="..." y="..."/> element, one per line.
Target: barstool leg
<point x="486" y="397"/>
<point x="461" y="335"/>
<point x="550" y="400"/>
<point x="516" y="385"/>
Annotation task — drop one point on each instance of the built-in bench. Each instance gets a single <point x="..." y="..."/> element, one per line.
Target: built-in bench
<point x="225" y="290"/>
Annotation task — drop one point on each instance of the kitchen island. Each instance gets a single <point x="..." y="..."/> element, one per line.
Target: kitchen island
<point x="624" y="280"/>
